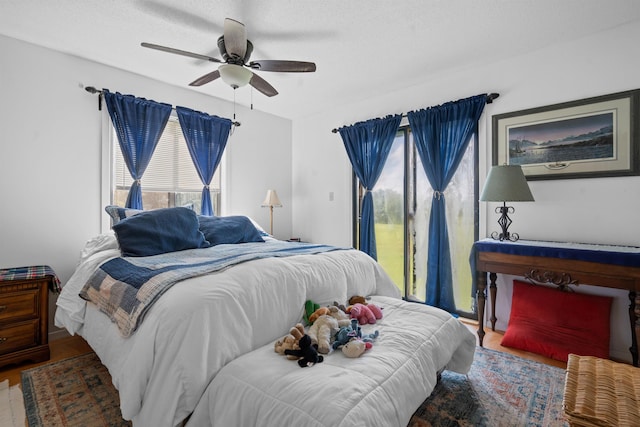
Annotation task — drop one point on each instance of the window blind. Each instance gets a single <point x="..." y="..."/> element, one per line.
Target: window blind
<point x="170" y="169"/>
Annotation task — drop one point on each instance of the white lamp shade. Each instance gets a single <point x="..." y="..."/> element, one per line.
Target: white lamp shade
<point x="235" y="75"/>
<point x="506" y="183"/>
<point x="271" y="199"/>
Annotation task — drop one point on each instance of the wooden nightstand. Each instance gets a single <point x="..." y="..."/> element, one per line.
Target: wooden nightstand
<point x="24" y="316"/>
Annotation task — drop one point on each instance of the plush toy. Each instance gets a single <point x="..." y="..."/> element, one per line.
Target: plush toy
<point x="365" y="313"/>
<point x="345" y="334"/>
<point x="377" y="311"/>
<point x="322" y="331"/>
<point x="355" y="348"/>
<point x="340" y="306"/>
<point x="286" y="343"/>
<point x="290" y="341"/>
<point x="343" y="318"/>
<point x="308" y="354"/>
<point x="369" y="337"/>
<point x="317" y="313"/>
<point x="357" y="299"/>
<point x="309" y="308"/>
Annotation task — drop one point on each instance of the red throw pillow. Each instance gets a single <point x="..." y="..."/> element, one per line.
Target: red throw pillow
<point x="554" y="323"/>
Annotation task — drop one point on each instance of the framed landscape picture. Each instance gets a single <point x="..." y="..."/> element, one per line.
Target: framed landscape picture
<point x="593" y="137"/>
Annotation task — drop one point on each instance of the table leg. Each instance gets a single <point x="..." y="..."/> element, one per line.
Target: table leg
<point x="481" y="284"/>
<point x="634" y="315"/>
<point x="493" y="291"/>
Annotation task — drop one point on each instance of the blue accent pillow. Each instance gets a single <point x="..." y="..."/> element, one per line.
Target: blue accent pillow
<point x="117" y="213"/>
<point x="159" y="231"/>
<point x="229" y="229"/>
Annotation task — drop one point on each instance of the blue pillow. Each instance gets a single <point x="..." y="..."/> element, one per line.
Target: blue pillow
<point x="117" y="213"/>
<point x="159" y="231"/>
<point x="228" y="229"/>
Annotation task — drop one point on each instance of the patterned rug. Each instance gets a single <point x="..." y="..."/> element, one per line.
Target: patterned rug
<point x="500" y="390"/>
<point x="72" y="392"/>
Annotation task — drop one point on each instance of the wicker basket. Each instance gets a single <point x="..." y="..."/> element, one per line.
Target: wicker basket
<point x="600" y="392"/>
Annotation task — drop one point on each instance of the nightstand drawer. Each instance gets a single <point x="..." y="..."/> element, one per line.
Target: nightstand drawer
<point x="19" y="336"/>
<point x="19" y="305"/>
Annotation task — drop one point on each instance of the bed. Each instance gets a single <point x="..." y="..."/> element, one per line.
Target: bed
<point x="205" y="346"/>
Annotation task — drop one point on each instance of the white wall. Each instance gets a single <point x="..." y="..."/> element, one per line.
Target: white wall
<point x="601" y="210"/>
<point x="50" y="157"/>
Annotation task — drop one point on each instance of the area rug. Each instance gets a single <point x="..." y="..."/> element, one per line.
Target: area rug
<point x="500" y="390"/>
<point x="72" y="392"/>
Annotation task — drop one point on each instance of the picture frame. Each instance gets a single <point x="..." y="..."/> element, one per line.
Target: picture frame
<point x="588" y="138"/>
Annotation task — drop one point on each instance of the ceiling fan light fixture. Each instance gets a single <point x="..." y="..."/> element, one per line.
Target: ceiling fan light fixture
<point x="235" y="75"/>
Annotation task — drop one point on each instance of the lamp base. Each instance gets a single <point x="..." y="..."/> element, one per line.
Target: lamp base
<point x="504" y="221"/>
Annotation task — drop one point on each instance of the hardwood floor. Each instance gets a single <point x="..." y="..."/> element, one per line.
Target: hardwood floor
<point x="73" y="346"/>
<point x="62" y="348"/>
<point x="492" y="340"/>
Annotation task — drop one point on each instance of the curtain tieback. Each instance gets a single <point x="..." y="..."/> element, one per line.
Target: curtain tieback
<point x="206" y="187"/>
<point x="139" y="182"/>
<point x="438" y="194"/>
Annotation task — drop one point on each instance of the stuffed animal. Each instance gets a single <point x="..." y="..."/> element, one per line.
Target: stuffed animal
<point x="369" y="337"/>
<point x="308" y="354"/>
<point x="322" y="331"/>
<point x="355" y="348"/>
<point x="340" y="306"/>
<point x="343" y="318"/>
<point x="290" y="341"/>
<point x="365" y="313"/>
<point x="345" y="334"/>
<point x="357" y="299"/>
<point x="309" y="308"/>
<point x="377" y="311"/>
<point x="317" y="313"/>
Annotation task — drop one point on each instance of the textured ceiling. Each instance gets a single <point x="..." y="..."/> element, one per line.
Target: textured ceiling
<point x="361" y="47"/>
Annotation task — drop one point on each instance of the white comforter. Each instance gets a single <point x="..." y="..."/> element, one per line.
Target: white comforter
<point x="203" y="323"/>
<point x="383" y="387"/>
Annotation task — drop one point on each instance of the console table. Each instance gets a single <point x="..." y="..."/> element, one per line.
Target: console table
<point x="561" y="264"/>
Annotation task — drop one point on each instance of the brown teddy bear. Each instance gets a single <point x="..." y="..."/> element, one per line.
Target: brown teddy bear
<point x="290" y="341"/>
<point x="357" y="299"/>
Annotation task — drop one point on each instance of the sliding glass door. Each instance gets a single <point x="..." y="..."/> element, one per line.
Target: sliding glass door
<point x="402" y="204"/>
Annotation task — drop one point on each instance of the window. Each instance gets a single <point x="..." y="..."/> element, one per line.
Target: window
<point x="171" y="178"/>
<point x="402" y="205"/>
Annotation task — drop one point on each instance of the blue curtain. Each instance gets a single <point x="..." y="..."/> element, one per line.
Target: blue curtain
<point x="441" y="135"/>
<point x="139" y="124"/>
<point x="368" y="145"/>
<point x="206" y="138"/>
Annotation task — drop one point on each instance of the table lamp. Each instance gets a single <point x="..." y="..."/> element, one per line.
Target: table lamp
<point x="506" y="183"/>
<point x="270" y="201"/>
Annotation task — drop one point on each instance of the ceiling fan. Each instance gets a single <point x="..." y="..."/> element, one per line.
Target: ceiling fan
<point x="235" y="70"/>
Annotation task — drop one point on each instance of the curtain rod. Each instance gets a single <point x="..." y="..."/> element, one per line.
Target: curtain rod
<point x="490" y="98"/>
<point x="94" y="91"/>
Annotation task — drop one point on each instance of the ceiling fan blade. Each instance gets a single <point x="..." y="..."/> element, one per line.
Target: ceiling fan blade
<point x="179" y="52"/>
<point x="261" y="84"/>
<point x="283" y="66"/>
<point x="235" y="38"/>
<point x="206" y="78"/>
